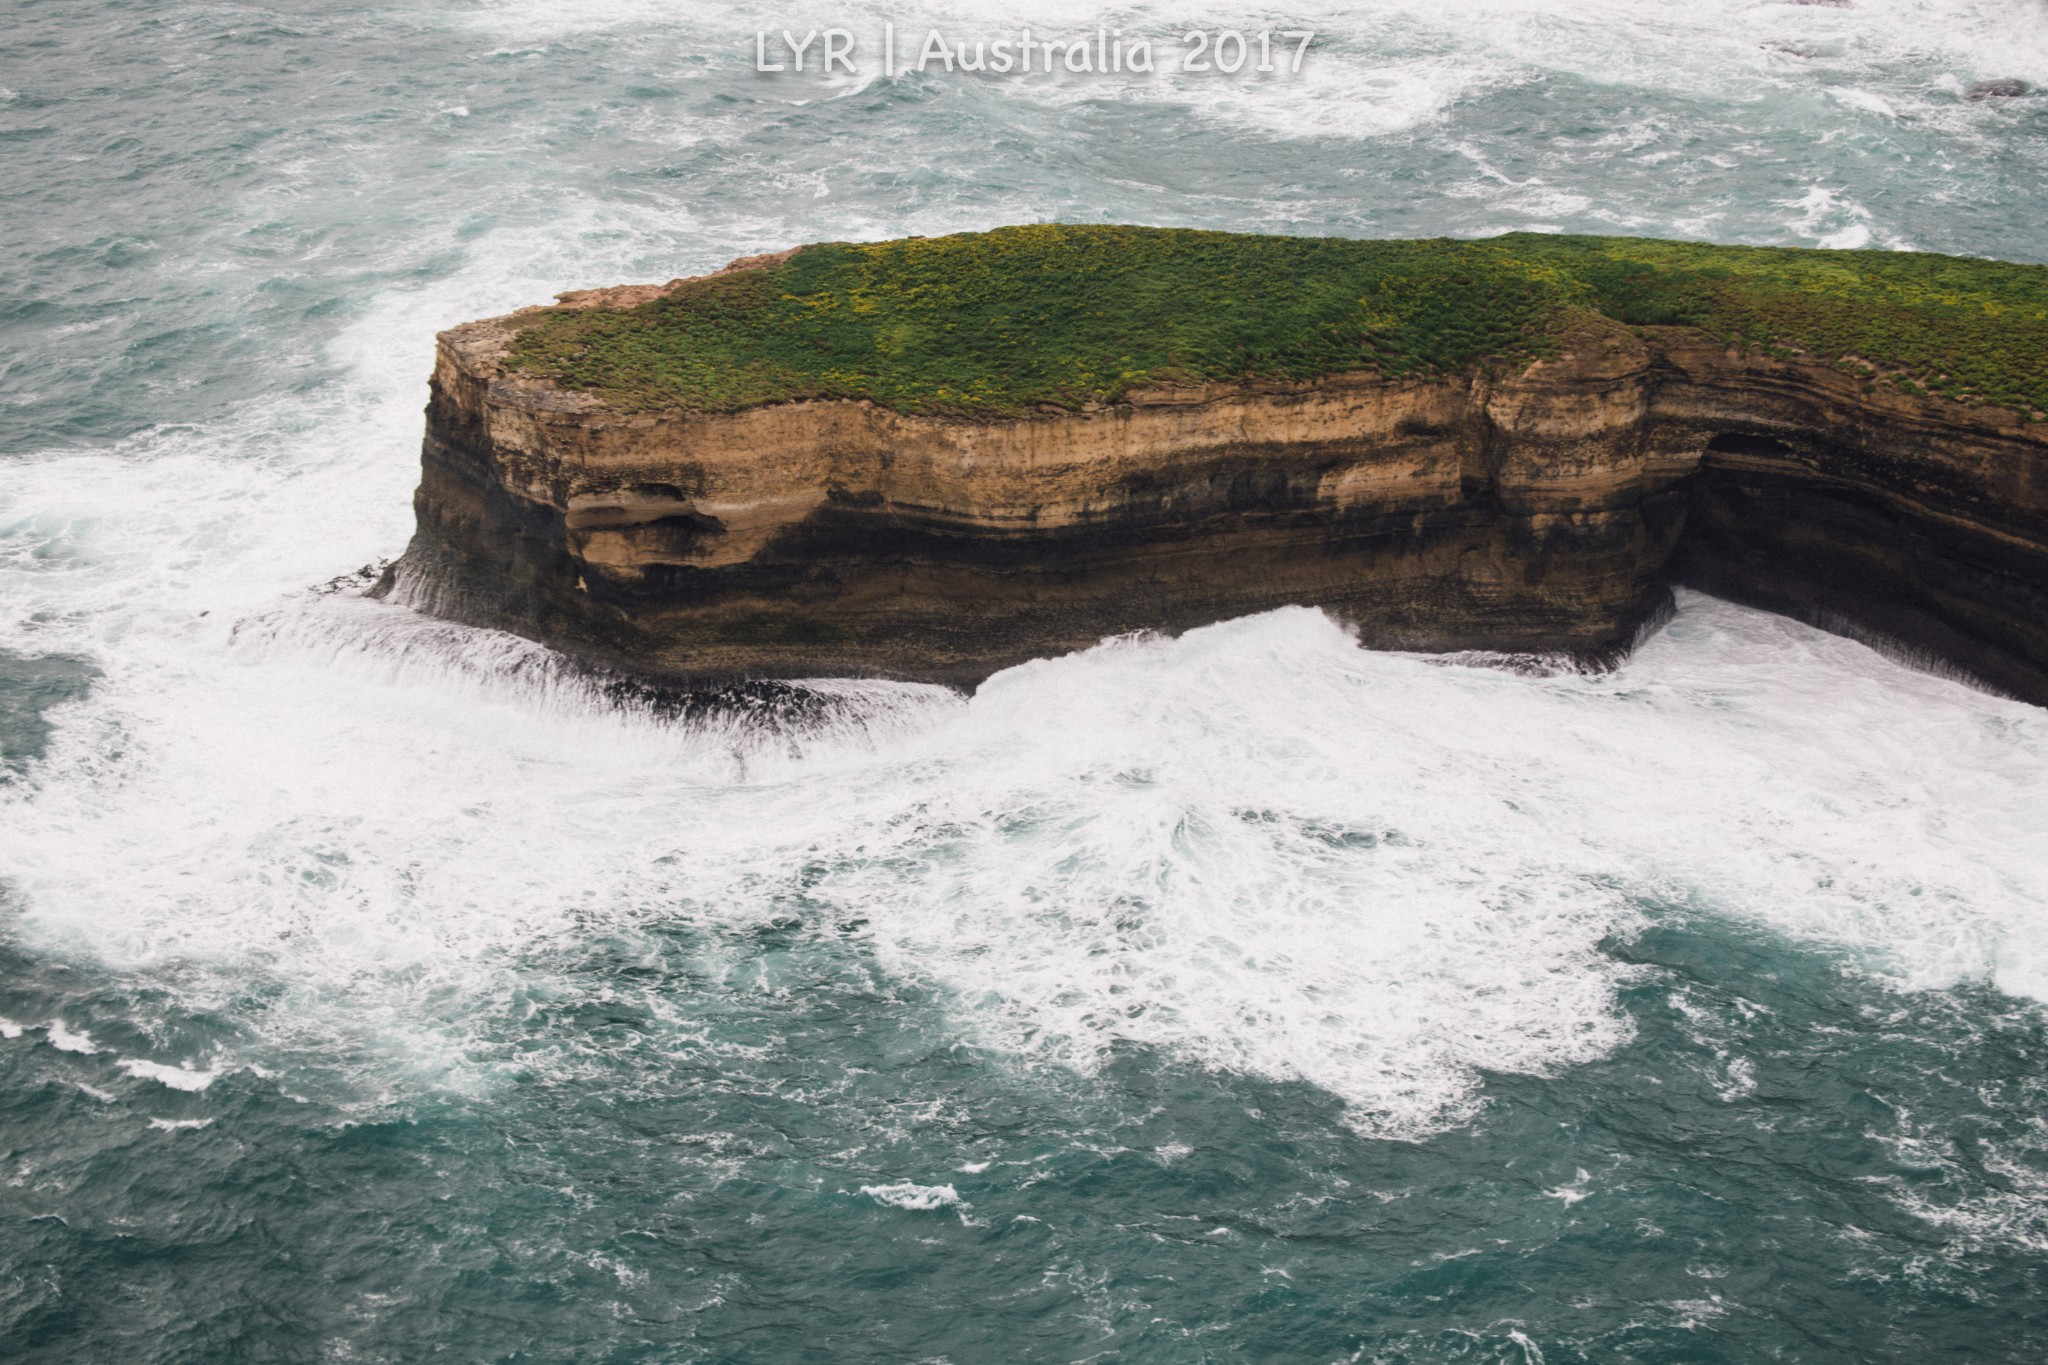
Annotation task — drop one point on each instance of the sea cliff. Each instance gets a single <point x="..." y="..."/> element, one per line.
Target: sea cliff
<point x="935" y="459"/>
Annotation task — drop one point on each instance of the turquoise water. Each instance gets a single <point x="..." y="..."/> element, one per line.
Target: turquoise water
<point x="372" y="989"/>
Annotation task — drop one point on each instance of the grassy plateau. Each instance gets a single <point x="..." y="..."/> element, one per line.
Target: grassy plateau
<point x="1005" y="322"/>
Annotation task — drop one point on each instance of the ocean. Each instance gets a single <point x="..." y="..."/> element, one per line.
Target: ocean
<point x="378" y="989"/>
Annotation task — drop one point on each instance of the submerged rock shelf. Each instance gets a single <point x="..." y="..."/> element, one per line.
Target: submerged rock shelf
<point x="935" y="458"/>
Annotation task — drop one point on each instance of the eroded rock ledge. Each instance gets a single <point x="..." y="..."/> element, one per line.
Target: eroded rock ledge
<point x="1542" y="510"/>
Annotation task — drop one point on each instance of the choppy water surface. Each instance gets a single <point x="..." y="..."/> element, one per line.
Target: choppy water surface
<point x="370" y="989"/>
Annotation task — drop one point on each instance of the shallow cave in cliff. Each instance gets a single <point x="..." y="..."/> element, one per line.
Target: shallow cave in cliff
<point x="1746" y="443"/>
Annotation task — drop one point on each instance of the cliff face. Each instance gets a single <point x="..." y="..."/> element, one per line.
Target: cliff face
<point x="1918" y="520"/>
<point x="1543" y="511"/>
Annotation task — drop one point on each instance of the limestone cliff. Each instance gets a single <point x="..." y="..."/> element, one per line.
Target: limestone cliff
<point x="1541" y="506"/>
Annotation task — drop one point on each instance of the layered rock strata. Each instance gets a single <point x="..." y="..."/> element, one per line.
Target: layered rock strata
<point x="1543" y="511"/>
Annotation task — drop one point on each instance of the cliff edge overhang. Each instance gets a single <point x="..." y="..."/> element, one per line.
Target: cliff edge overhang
<point x="1532" y="478"/>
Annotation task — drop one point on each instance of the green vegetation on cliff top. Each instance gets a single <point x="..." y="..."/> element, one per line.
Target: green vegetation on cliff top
<point x="1001" y="322"/>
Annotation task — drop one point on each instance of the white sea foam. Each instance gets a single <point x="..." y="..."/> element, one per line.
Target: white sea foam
<point x="1832" y="220"/>
<point x="2009" y="1211"/>
<point x="1574" y="1191"/>
<point x="918" y="1198"/>
<point x="1375" y="72"/>
<point x="1255" y="848"/>
<point x="69" y="1040"/>
<point x="1695" y="45"/>
<point x="1401" y="70"/>
<point x="179" y="1077"/>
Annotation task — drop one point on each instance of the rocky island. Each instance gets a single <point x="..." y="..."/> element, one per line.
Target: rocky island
<point x="934" y="458"/>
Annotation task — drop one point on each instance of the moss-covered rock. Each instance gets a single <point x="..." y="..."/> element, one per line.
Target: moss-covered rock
<point x="999" y="323"/>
